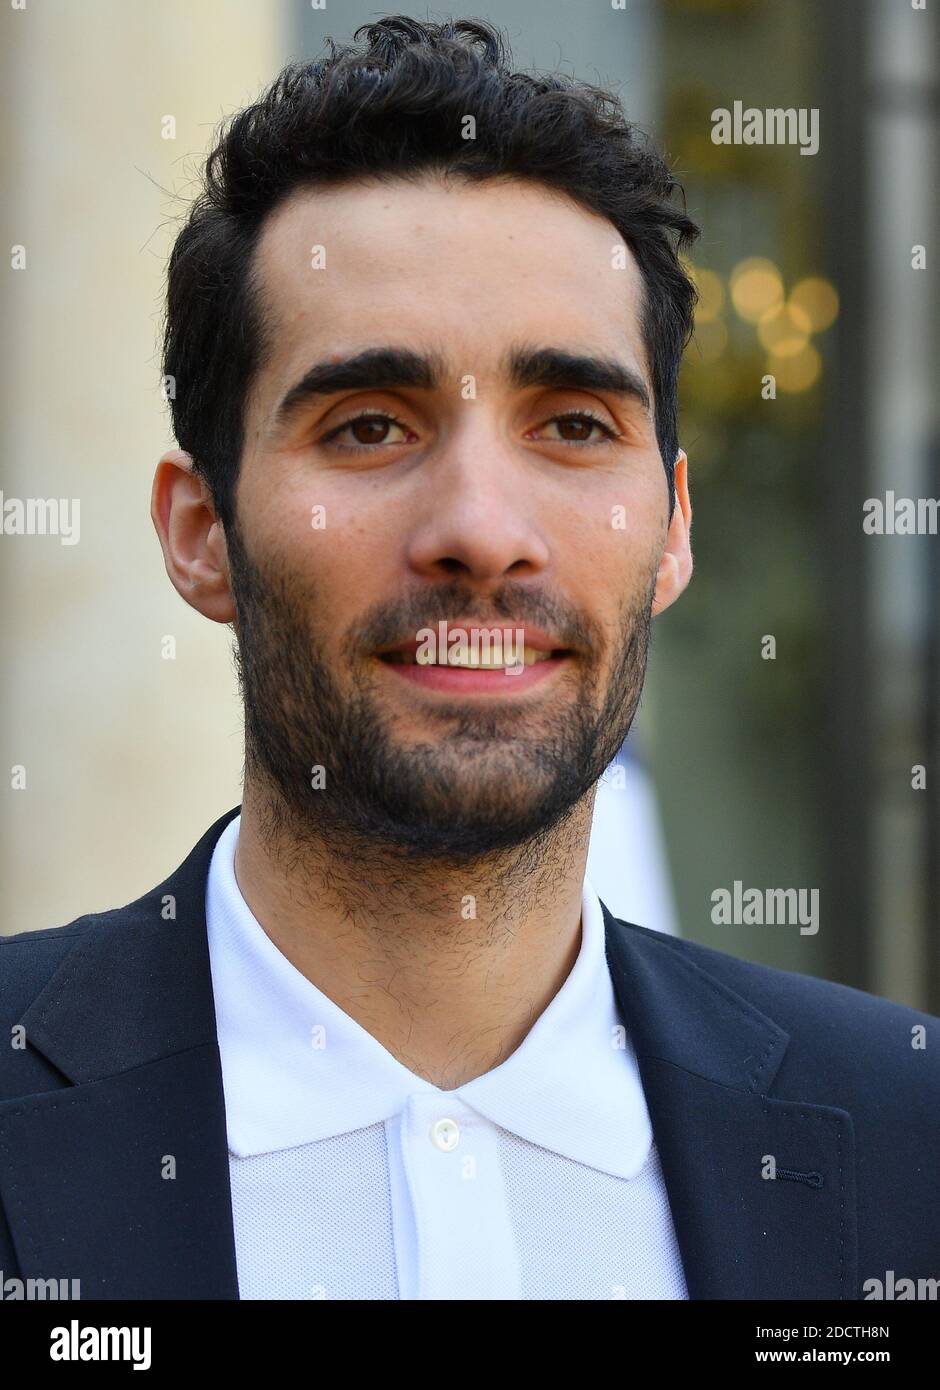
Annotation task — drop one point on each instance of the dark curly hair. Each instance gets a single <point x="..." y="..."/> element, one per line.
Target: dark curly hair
<point x="395" y="106"/>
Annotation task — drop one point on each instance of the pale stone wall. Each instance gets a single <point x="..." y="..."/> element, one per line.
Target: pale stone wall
<point x="128" y="756"/>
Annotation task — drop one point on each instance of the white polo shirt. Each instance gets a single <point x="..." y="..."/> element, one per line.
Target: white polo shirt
<point x="353" y="1178"/>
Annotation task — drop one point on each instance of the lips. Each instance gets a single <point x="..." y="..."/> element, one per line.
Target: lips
<point x="473" y="658"/>
<point x="502" y="682"/>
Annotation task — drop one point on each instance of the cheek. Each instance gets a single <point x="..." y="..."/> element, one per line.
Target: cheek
<point x="329" y="541"/>
<point x="349" y="556"/>
<point x="615" y="526"/>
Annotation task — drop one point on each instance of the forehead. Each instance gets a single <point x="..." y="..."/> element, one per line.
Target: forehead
<point x="468" y="268"/>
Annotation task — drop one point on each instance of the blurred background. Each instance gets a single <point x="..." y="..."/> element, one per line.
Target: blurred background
<point x="799" y="771"/>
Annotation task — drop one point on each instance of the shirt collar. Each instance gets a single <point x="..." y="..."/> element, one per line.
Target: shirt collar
<point x="297" y="1069"/>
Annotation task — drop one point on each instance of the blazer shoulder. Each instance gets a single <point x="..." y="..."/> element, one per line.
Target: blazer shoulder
<point x="28" y="962"/>
<point x="29" y="959"/>
<point x="110" y="972"/>
<point x="844" y="1042"/>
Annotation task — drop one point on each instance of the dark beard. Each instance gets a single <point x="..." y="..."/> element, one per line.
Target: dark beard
<point x="482" y="787"/>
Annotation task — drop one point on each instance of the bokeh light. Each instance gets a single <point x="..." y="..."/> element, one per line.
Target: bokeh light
<point x="756" y="288"/>
<point x="797" y="371"/>
<point x="816" y="298"/>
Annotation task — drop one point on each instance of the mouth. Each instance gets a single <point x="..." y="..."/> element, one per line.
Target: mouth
<point x="468" y="670"/>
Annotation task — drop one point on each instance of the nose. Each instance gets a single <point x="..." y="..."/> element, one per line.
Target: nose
<point x="478" y="515"/>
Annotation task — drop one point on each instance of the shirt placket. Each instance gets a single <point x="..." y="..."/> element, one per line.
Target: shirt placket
<point x="464" y="1243"/>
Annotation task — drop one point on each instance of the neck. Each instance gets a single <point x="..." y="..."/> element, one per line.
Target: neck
<point x="447" y="966"/>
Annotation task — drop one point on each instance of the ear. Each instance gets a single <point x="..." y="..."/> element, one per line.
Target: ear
<point x="192" y="538"/>
<point x="675" y="567"/>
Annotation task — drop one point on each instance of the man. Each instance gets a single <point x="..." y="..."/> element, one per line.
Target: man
<point x="377" y="1037"/>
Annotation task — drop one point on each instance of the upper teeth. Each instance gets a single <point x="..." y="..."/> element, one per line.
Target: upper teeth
<point x="469" y="659"/>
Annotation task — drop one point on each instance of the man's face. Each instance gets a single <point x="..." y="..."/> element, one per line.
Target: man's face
<point x="475" y="492"/>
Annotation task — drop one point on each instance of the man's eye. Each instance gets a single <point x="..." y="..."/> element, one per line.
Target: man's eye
<point x="367" y="431"/>
<point x="576" y="428"/>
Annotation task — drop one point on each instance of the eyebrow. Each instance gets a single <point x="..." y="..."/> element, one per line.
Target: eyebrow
<point x="561" y="369"/>
<point x="388" y="368"/>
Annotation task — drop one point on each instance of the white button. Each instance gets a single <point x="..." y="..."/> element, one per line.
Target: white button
<point x="445" y="1135"/>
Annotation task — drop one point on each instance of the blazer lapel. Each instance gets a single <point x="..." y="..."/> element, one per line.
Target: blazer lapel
<point x="707" y="1060"/>
<point x="121" y="1179"/>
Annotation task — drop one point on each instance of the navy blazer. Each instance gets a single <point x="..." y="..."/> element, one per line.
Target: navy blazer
<point x="740" y="1063"/>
